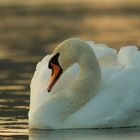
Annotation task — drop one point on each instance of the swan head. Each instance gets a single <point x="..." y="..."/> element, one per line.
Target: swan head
<point x="63" y="57"/>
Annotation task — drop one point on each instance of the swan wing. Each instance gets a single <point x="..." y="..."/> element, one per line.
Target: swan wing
<point x="105" y="55"/>
<point x="118" y="100"/>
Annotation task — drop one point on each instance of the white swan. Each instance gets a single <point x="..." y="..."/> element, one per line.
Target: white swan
<point x="84" y="93"/>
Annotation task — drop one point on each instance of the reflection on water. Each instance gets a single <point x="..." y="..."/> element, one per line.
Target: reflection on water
<point x="125" y="134"/>
<point x="28" y="33"/>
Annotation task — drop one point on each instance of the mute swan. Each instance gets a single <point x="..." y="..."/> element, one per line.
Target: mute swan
<point x="91" y="86"/>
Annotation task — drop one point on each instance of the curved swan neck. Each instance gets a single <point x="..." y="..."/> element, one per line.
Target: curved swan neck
<point x="89" y="77"/>
<point x="61" y="105"/>
<point x="88" y="65"/>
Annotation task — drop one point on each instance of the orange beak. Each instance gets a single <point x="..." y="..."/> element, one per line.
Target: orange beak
<point x="56" y="73"/>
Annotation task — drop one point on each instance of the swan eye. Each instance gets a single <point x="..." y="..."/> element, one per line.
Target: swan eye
<point x="54" y="60"/>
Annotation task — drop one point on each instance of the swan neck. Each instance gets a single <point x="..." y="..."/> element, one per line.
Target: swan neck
<point x="87" y="82"/>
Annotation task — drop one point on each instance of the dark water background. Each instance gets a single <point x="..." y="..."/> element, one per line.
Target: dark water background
<point x="29" y="32"/>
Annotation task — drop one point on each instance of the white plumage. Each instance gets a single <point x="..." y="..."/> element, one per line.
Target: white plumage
<point x="116" y="103"/>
